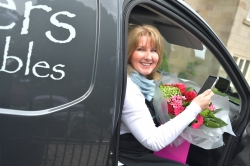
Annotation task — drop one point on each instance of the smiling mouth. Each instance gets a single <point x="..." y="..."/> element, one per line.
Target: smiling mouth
<point x="146" y="64"/>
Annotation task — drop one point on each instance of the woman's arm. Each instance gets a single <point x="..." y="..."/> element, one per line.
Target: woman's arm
<point x="137" y="118"/>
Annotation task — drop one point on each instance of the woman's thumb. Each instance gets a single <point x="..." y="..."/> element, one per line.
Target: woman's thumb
<point x="207" y="92"/>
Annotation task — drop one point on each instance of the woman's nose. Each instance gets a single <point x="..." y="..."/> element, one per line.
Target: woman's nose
<point x="148" y="55"/>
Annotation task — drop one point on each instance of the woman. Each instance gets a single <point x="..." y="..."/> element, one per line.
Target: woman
<point x="140" y="134"/>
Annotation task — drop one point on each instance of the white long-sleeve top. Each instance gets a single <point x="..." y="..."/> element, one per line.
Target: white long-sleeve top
<point x="136" y="119"/>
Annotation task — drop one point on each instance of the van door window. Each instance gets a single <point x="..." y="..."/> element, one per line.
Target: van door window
<point x="184" y="55"/>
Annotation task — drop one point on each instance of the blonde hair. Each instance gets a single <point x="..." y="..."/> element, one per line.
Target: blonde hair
<point x="134" y="35"/>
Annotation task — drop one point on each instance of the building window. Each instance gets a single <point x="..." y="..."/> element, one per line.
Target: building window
<point x="246" y="21"/>
<point x="244" y="65"/>
<point x="248" y="16"/>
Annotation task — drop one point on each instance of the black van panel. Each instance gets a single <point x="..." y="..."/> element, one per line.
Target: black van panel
<point x="57" y="83"/>
<point x="48" y="56"/>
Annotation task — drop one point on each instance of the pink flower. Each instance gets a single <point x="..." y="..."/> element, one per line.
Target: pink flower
<point x="176" y="100"/>
<point x="190" y="95"/>
<point x="212" y="107"/>
<point x="178" y="110"/>
<point x="175" y="104"/>
<point x="180" y="86"/>
<point x="198" y="122"/>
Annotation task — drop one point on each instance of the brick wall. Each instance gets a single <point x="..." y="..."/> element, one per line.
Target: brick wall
<point x="219" y="14"/>
<point x="239" y="40"/>
<point x="227" y="19"/>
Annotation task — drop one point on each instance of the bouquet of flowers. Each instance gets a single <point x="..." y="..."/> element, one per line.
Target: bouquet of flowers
<point x="173" y="95"/>
<point x="179" y="96"/>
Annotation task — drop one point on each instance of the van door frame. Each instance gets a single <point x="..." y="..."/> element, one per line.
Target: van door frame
<point x="199" y="28"/>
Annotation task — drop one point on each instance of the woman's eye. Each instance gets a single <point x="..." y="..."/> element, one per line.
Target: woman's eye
<point x="154" y="50"/>
<point x="139" y="49"/>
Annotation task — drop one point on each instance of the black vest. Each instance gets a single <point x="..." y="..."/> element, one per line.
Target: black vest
<point x="128" y="143"/>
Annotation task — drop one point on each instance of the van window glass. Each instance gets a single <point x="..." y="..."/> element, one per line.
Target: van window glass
<point x="184" y="55"/>
<point x="194" y="65"/>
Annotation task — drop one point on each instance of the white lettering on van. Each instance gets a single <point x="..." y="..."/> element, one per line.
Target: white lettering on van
<point x="8" y="60"/>
<point x="71" y="29"/>
<point x="28" y="8"/>
<point x="58" y="71"/>
<point x="39" y="64"/>
<point x="8" y="26"/>
<point x="27" y="70"/>
<point x="10" y="5"/>
<point x="5" y="57"/>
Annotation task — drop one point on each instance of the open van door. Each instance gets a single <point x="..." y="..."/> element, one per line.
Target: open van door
<point x="193" y="52"/>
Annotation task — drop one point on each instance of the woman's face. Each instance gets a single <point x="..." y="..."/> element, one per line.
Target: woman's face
<point x="145" y="58"/>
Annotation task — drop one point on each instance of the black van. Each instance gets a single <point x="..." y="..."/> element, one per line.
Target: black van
<point x="63" y="78"/>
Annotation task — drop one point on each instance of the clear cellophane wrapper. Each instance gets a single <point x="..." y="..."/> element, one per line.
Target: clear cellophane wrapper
<point x="204" y="137"/>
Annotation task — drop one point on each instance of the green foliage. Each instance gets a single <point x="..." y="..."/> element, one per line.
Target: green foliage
<point x="169" y="91"/>
<point x="189" y="70"/>
<point x="217" y="110"/>
<point x="171" y="116"/>
<point x="210" y="120"/>
<point x="164" y="66"/>
<point x="233" y="99"/>
<point x="214" y="122"/>
<point x="190" y="89"/>
<point x="205" y="113"/>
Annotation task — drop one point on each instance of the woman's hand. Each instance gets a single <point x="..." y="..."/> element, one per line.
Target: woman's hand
<point x="204" y="99"/>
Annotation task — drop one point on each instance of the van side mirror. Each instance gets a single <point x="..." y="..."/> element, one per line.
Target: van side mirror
<point x="223" y="85"/>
